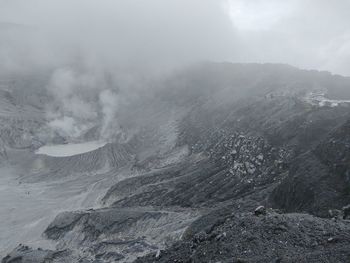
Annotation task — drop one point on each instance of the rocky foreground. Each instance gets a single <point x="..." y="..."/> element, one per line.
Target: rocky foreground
<point x="237" y="166"/>
<point x="242" y="237"/>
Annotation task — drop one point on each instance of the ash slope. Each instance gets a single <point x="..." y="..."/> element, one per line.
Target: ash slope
<point x="216" y="141"/>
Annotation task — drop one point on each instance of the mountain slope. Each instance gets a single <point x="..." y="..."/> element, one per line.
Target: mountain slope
<point x="213" y="143"/>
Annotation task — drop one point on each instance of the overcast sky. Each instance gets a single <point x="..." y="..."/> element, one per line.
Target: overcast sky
<point x="158" y="33"/>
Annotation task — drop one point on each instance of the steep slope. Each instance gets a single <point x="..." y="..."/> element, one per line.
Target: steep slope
<point x="213" y="143"/>
<point x="319" y="179"/>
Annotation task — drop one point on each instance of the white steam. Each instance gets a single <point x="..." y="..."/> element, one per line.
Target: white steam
<point x="82" y="101"/>
<point x="109" y="106"/>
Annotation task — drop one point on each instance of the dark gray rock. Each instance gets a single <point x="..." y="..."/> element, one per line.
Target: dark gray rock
<point x="273" y="238"/>
<point x="346" y="211"/>
<point x="260" y="210"/>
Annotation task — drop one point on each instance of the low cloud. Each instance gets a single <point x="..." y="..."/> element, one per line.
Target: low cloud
<point x="97" y="52"/>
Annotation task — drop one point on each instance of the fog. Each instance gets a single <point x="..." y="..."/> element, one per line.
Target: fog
<point x="133" y="33"/>
<point x="160" y="33"/>
<point x="308" y="34"/>
<point x="99" y="53"/>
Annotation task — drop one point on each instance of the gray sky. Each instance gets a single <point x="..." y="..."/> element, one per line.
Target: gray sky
<point x="160" y="33"/>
